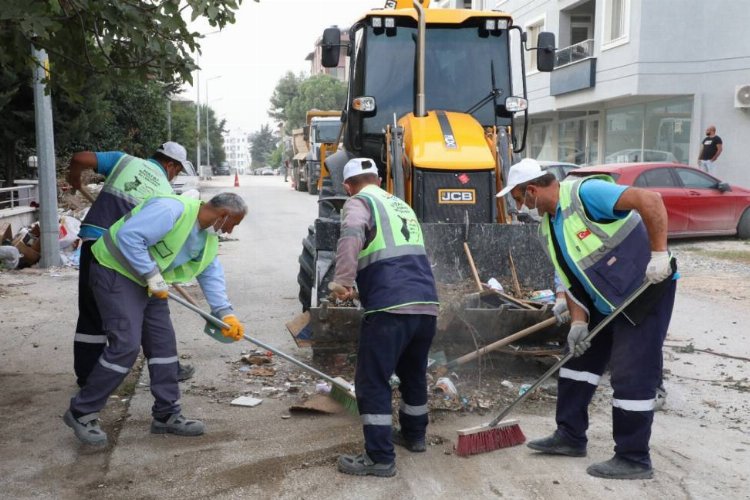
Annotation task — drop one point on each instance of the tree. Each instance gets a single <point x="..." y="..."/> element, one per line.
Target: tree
<point x="294" y="96"/>
<point x="94" y="47"/>
<point x="317" y="92"/>
<point x="262" y="144"/>
<point x="286" y="90"/>
<point x="183" y="131"/>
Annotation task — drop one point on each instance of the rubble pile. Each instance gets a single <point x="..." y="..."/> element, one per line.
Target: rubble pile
<point x="21" y="247"/>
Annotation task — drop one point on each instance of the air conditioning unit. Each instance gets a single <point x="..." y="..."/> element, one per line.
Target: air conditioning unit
<point x="742" y="96"/>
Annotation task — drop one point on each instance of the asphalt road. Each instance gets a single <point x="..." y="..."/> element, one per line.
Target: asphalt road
<point x="701" y="444"/>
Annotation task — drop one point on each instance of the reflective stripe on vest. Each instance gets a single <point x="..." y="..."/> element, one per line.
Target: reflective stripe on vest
<point x="164" y="252"/>
<point x="588" y="242"/>
<point x="131" y="181"/>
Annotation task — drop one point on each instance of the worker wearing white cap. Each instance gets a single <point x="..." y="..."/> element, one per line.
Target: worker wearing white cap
<point x="604" y="240"/>
<point x="381" y="246"/>
<point x="129" y="181"/>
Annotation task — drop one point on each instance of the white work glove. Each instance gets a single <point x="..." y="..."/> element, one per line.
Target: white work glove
<point x="659" y="267"/>
<point x="560" y="310"/>
<point x="157" y="287"/>
<point x="579" y="330"/>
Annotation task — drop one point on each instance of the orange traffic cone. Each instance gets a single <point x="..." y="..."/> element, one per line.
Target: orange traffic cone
<point x="236" y="180"/>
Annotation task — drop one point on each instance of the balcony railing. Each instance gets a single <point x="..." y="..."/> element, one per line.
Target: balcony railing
<point x="574" y="53"/>
<point x="16" y="196"/>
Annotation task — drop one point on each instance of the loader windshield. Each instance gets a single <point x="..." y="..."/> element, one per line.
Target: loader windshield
<point x="458" y="64"/>
<point x="327" y="131"/>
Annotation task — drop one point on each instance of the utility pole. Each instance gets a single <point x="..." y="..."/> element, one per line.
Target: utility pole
<point x="45" y="151"/>
<point x="198" y="114"/>
<point x="208" y="141"/>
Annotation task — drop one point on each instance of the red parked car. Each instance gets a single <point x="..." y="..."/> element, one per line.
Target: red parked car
<point x="697" y="204"/>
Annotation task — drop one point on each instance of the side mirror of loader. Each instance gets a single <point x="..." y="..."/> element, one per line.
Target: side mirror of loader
<point x="545" y="51"/>
<point x="330" y="47"/>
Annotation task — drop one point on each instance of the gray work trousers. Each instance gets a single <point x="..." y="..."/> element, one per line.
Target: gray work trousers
<point x="130" y="319"/>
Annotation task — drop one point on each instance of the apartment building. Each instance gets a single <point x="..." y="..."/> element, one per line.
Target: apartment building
<point x="237" y="149"/>
<point x="637" y="80"/>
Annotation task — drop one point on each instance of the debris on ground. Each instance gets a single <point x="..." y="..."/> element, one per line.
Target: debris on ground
<point x="248" y="401"/>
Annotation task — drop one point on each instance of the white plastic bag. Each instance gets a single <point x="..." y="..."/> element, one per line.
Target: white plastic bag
<point x="69" y="227"/>
<point x="9" y="257"/>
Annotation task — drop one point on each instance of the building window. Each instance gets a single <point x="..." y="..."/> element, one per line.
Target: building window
<point x="532" y="33"/>
<point x="616" y="22"/>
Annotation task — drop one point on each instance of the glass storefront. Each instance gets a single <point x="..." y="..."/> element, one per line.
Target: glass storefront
<point x="654" y="131"/>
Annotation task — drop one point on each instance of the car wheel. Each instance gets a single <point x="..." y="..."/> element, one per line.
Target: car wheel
<point x="743" y="227"/>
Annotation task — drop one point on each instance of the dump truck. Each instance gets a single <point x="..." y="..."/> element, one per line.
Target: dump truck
<point x="309" y="143"/>
<point x="432" y="99"/>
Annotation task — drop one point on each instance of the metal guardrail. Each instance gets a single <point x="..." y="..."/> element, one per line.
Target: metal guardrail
<point x="574" y="53"/>
<point x="12" y="196"/>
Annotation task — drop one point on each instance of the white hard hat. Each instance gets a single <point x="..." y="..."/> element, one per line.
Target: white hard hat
<point x="359" y="166"/>
<point x="524" y="171"/>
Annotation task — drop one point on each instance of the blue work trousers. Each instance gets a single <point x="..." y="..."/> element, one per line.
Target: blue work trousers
<point x="130" y="319"/>
<point x="634" y="355"/>
<point x="392" y="343"/>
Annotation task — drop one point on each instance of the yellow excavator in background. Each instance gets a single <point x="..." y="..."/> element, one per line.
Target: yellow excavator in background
<point x="432" y="99"/>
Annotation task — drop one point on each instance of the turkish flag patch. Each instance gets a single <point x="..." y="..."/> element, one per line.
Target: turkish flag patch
<point x="583" y="234"/>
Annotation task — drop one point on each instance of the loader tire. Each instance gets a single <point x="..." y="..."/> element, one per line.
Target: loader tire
<point x="306" y="269"/>
<point x="326" y="209"/>
<point x="312" y="187"/>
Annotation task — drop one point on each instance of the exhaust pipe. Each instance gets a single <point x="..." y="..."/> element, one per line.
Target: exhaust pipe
<point x="420" y="104"/>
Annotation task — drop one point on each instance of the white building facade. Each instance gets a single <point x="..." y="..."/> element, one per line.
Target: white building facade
<point x="237" y="149"/>
<point x="637" y="80"/>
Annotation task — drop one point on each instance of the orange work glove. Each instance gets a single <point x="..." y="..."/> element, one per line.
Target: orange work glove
<point x="236" y="330"/>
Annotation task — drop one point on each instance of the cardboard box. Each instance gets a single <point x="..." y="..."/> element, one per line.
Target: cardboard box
<point x="29" y="256"/>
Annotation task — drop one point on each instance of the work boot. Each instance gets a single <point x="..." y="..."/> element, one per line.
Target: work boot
<point x="413" y="446"/>
<point x="620" y="468"/>
<point x="86" y="428"/>
<point x="362" y="465"/>
<point x="557" y="445"/>
<point x="179" y="425"/>
<point x="184" y="372"/>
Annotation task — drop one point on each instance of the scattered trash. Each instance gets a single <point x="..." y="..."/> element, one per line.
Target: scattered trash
<point x="323" y="388"/>
<point x="445" y="386"/>
<point x="507" y="384"/>
<point x="9" y="257"/>
<point x="248" y="401"/>
<point x="524" y="387"/>
<point x="262" y="371"/>
<point x="394" y="381"/>
<point x="256" y="359"/>
<point x="495" y="285"/>
<point x="284" y="417"/>
<point x="543" y="296"/>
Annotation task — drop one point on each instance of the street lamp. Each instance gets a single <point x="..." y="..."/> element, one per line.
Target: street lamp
<point x="198" y="104"/>
<point x="208" y="140"/>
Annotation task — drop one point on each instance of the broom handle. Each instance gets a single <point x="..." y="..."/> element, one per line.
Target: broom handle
<point x="473" y="267"/>
<point x="500" y="343"/>
<point x="220" y="324"/>
<point x="568" y="356"/>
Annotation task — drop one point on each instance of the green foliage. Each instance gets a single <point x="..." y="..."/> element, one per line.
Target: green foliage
<point x="294" y="96"/>
<point x="276" y="156"/>
<point x="183" y="131"/>
<point x="263" y="144"/>
<point x="105" y="59"/>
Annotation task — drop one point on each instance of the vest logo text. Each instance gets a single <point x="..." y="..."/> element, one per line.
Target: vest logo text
<point x="457" y="196"/>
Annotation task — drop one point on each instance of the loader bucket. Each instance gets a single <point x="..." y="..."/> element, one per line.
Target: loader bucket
<point x="467" y="318"/>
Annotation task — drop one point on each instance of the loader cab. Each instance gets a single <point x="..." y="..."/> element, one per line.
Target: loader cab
<point x="466" y="61"/>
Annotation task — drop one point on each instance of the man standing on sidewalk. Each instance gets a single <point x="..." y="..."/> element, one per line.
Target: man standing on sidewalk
<point x="711" y="148"/>
<point x="129" y="181"/>
<point x="381" y="245"/>
<point x="167" y="239"/>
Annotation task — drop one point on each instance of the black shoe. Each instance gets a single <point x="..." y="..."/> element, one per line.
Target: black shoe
<point x="413" y="446"/>
<point x="557" y="445"/>
<point x="184" y="372"/>
<point x="362" y="465"/>
<point x="620" y="468"/>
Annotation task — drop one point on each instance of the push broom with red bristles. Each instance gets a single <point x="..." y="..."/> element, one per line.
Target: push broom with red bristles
<point x="499" y="434"/>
